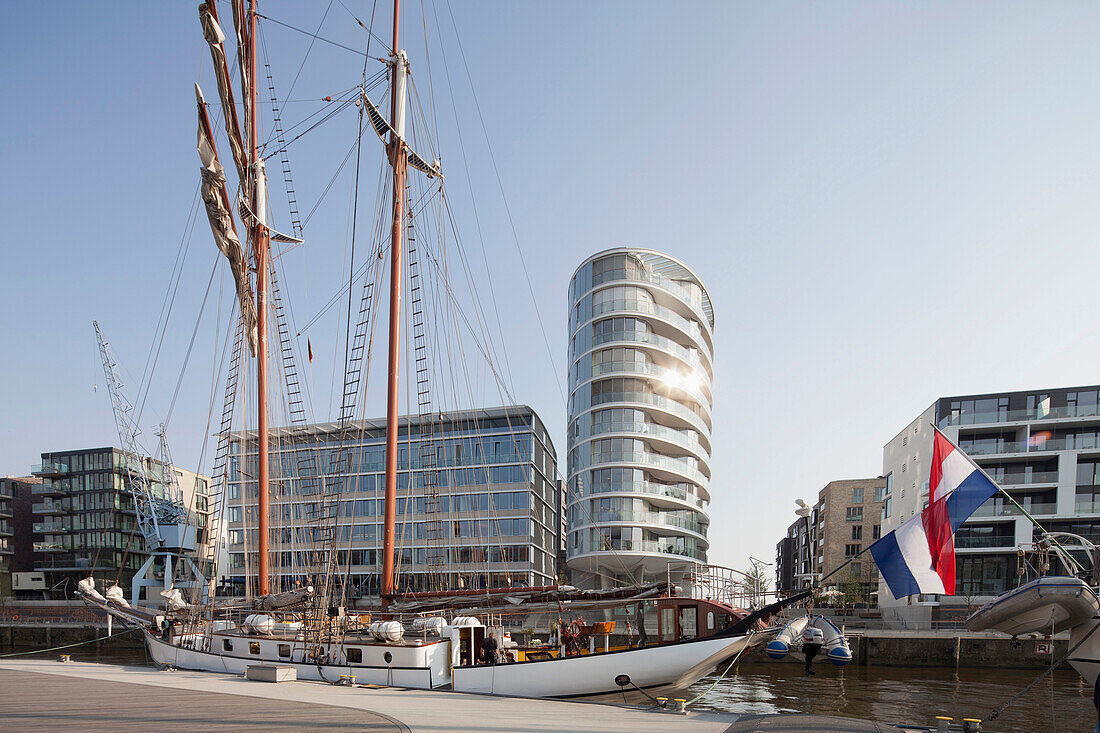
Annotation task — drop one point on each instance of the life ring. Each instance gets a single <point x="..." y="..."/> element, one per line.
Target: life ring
<point x="15" y="617"/>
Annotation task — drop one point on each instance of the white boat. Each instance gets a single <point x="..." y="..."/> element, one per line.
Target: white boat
<point x="438" y="663"/>
<point x="1043" y="606"/>
<point x="789" y="640"/>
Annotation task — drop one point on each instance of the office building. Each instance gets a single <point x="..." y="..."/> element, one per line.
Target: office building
<point x="641" y="349"/>
<point x="84" y="518"/>
<point x="1042" y="446"/>
<point x="478" y="503"/>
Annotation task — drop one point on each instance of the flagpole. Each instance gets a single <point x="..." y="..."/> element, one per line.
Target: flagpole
<point x="1009" y="496"/>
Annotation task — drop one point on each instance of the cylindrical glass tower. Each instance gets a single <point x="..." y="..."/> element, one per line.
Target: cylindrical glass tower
<point x="641" y="346"/>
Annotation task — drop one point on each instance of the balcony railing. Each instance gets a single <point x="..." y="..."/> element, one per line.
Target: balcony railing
<point x="648" y="398"/>
<point x="1006" y="509"/>
<point x="653" y="460"/>
<point x="688" y="326"/>
<point x="47" y="489"/>
<point x="644" y="487"/>
<point x="49" y="528"/>
<point x="1022" y="479"/>
<point x="688" y="439"/>
<point x="668" y="520"/>
<point x="49" y="507"/>
<point x="980" y="542"/>
<point x="1028" y="415"/>
<point x="648" y="546"/>
<point x="1020" y="446"/>
<point x="48" y="547"/>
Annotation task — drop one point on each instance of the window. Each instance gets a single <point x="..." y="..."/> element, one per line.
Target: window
<point x="876" y="531"/>
<point x="353" y="655"/>
<point x="857" y="532"/>
<point x="284" y="650"/>
<point x="254" y="647"/>
<point x="227" y="645"/>
<point x="851" y="550"/>
<point x="854" y="514"/>
<point x="857" y="495"/>
<point x="880" y="491"/>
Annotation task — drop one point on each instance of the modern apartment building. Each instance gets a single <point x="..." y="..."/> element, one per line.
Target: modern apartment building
<point x="848" y="518"/>
<point x="84" y="518"/>
<point x="845" y="520"/>
<point x="641" y="350"/>
<point x="1042" y="446"/>
<point x="478" y="502"/>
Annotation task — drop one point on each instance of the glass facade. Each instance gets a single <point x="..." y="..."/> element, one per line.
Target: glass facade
<point x="84" y="518"/>
<point x="478" y="505"/>
<point x="640" y="374"/>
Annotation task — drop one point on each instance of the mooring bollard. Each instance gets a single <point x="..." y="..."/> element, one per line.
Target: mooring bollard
<point x="972" y="725"/>
<point x="942" y="722"/>
<point x="65" y="658"/>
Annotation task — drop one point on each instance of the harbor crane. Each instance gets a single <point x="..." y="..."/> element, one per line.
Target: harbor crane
<point x="163" y="516"/>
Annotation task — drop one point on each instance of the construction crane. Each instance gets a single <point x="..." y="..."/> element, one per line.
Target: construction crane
<point x="162" y="513"/>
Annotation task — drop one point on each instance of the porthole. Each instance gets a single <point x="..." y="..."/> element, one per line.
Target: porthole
<point x="227" y="645"/>
<point x="388" y="657"/>
<point x="254" y="647"/>
<point x="354" y="656"/>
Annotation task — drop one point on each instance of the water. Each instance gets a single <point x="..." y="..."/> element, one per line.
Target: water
<point x="905" y="695"/>
<point x="887" y="694"/>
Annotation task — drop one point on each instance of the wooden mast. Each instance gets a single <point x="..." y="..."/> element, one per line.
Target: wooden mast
<point x="399" y="161"/>
<point x="260" y="244"/>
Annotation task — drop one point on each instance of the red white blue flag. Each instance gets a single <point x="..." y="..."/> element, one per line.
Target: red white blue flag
<point x="919" y="556"/>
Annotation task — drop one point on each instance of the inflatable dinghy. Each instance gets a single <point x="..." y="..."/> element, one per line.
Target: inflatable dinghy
<point x="789" y="640"/>
<point x="1036" y="607"/>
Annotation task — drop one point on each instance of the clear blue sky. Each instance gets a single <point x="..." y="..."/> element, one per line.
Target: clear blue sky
<point x="889" y="203"/>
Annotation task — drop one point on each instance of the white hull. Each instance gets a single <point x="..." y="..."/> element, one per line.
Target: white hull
<point x="653" y="669"/>
<point x="1057" y="603"/>
<point x="671" y="666"/>
<point x="1086" y="658"/>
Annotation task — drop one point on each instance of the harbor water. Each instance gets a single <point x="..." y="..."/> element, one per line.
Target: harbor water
<point x="887" y="694"/>
<point x="906" y="695"/>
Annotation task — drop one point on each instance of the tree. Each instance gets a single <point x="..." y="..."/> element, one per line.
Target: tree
<point x="756" y="583"/>
<point x="851" y="589"/>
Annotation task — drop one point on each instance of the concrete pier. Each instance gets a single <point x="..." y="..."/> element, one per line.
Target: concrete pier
<point x="41" y="695"/>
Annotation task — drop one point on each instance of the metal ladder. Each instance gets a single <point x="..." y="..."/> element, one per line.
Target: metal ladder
<point x="216" y="505"/>
<point x="436" y="551"/>
<point x="280" y="138"/>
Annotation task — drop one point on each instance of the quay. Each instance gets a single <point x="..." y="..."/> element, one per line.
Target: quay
<point x="46" y="695"/>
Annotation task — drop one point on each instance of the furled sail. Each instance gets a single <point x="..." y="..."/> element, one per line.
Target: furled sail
<point x="214" y="36"/>
<point x="215" y="198"/>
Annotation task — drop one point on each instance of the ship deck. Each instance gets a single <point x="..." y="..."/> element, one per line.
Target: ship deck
<point x="41" y="695"/>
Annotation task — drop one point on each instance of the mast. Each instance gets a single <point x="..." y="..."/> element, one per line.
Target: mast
<point x="260" y="245"/>
<point x="398" y="160"/>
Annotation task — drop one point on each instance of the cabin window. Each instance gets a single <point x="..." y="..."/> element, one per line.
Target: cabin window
<point x="354" y="656"/>
<point x="284" y="650"/>
<point x="388" y="657"/>
<point x="668" y="624"/>
<point x="687" y="622"/>
<point x="710" y="620"/>
<point x="227" y="645"/>
<point x="254" y="647"/>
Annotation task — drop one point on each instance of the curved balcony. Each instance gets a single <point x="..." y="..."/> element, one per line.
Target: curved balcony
<point x="653" y="547"/>
<point x="688" y="356"/>
<point x="676" y="495"/>
<point x="687" y="440"/>
<point x="672" y="407"/>
<point x="701" y="397"/>
<point x="670" y="286"/>
<point x="686" y="326"/>
<point x="649" y="461"/>
<point x="657" y="519"/>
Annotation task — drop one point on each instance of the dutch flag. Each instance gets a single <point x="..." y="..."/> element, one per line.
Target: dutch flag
<point x="919" y="556"/>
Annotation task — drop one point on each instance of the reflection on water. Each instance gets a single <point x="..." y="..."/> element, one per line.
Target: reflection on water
<point x="905" y="694"/>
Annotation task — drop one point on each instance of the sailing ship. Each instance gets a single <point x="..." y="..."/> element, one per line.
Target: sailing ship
<point x="307" y="628"/>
